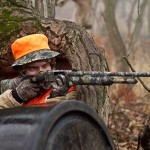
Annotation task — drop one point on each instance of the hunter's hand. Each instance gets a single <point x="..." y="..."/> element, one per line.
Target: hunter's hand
<point x="33" y="86"/>
<point x="44" y="79"/>
<point x="60" y="86"/>
<point x="26" y="91"/>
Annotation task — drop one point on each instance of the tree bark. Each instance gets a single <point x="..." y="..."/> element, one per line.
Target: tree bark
<point x="114" y="35"/>
<point x="71" y="40"/>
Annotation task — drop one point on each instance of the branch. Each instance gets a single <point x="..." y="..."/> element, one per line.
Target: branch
<point x="133" y="39"/>
<point x="133" y="70"/>
<point x="139" y="11"/>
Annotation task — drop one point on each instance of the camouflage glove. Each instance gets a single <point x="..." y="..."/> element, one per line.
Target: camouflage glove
<point x="33" y="86"/>
<point x="60" y="86"/>
<point x="44" y="79"/>
<point x="26" y="91"/>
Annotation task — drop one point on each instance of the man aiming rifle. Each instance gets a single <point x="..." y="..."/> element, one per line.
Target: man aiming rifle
<point x="32" y="56"/>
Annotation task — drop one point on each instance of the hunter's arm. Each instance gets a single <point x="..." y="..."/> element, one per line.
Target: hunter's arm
<point x="7" y="101"/>
<point x="9" y="84"/>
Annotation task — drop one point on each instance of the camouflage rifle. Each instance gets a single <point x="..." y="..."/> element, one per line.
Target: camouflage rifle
<point x="100" y="78"/>
<point x="84" y="78"/>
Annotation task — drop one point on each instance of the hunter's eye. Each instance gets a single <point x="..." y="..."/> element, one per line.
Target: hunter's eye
<point x="45" y="65"/>
<point x="32" y="68"/>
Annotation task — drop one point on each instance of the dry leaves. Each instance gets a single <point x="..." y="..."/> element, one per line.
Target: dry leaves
<point x="126" y="121"/>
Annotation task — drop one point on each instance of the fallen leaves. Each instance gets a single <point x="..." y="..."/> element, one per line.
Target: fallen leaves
<point x="126" y="120"/>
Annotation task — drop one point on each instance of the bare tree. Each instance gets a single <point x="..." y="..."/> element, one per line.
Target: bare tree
<point x="114" y="35"/>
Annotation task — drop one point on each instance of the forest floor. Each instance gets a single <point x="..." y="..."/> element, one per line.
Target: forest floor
<point x="127" y="119"/>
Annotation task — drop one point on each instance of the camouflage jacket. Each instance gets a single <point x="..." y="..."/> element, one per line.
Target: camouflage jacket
<point x="9" y="84"/>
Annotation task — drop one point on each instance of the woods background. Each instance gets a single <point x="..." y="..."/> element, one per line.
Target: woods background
<point x="119" y="27"/>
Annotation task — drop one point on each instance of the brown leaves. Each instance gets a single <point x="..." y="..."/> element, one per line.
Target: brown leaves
<point x="126" y="120"/>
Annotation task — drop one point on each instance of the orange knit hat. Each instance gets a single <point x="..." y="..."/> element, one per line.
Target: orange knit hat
<point x="31" y="48"/>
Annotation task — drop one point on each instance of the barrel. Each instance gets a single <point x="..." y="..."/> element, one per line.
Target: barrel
<point x="67" y="125"/>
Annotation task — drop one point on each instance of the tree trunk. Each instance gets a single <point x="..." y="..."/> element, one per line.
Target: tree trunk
<point x="71" y="40"/>
<point x="114" y="35"/>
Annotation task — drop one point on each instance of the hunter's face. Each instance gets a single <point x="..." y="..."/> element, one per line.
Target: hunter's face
<point x="37" y="66"/>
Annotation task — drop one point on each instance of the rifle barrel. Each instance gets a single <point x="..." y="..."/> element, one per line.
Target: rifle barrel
<point x="91" y="80"/>
<point x="102" y="74"/>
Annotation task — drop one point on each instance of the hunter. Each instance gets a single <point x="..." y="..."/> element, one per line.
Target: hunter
<point x="33" y="57"/>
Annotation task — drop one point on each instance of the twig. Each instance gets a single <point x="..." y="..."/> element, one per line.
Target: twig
<point x="133" y="70"/>
<point x="135" y="30"/>
<point x="133" y="39"/>
<point x="139" y="11"/>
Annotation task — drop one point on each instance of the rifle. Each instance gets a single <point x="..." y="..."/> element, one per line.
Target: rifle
<point x="99" y="78"/>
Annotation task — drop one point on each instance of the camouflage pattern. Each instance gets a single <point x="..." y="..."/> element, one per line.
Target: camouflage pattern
<point x="34" y="56"/>
<point x="9" y="84"/>
<point x="101" y="78"/>
<point x="102" y="74"/>
<point x="27" y="90"/>
<point x="83" y="78"/>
